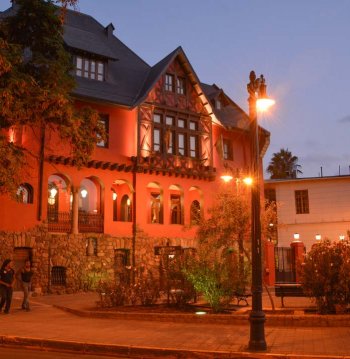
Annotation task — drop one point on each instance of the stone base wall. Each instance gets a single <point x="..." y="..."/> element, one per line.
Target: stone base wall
<point x="85" y="257"/>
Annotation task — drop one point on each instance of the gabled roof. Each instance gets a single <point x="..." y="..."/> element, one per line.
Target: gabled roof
<point x="234" y="117"/>
<point x="230" y="115"/>
<point x="161" y="67"/>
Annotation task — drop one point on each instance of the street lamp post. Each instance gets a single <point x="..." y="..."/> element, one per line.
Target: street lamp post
<point x="257" y="92"/>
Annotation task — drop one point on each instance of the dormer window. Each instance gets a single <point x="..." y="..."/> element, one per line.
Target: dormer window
<point x="90" y="68"/>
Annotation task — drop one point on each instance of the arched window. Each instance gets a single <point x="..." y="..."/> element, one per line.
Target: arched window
<point x="176" y="213"/>
<point x="156" y="209"/>
<point x="125" y="210"/>
<point x="195" y="212"/>
<point x="25" y="193"/>
<point x="115" y="205"/>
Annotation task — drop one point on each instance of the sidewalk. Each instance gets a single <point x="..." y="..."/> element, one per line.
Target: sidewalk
<point x="48" y="327"/>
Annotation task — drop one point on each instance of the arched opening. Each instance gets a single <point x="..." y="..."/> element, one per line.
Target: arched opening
<point x="176" y="205"/>
<point x="195" y="214"/>
<point x="90" y="205"/>
<point x="196" y="207"/>
<point x="122" y="207"/>
<point x="25" y="193"/>
<point x="59" y="203"/>
<point x="155" y="209"/>
<point x="125" y="209"/>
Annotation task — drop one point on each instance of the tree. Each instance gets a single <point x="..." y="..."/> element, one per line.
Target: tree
<point x="284" y="165"/>
<point x="35" y="88"/>
<point x="221" y="265"/>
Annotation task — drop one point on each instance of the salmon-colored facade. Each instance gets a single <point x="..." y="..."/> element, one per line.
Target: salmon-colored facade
<point x="159" y="170"/>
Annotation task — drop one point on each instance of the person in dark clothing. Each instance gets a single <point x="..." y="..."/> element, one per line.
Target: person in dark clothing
<point x="24" y="275"/>
<point x="7" y="278"/>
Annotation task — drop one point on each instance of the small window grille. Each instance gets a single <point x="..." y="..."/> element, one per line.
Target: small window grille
<point x="58" y="275"/>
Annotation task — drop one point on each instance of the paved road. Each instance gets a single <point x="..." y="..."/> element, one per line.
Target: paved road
<point x="45" y="322"/>
<point x="11" y="353"/>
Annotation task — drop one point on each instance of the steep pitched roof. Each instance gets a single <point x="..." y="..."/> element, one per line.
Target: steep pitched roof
<point x="126" y="70"/>
<point x="230" y="115"/>
<point x="234" y="117"/>
<point x="160" y="68"/>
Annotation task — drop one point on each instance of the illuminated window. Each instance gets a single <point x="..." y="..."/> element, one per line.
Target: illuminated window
<point x="104" y="120"/>
<point x="25" y="193"/>
<point x="302" y="202"/>
<point x="90" y="69"/>
<point x="169" y="82"/>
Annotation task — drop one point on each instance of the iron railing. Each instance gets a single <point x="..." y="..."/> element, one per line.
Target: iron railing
<point x="90" y="222"/>
<point x="87" y="222"/>
<point x="59" y="222"/>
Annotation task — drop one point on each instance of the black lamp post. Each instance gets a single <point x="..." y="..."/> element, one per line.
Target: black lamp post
<point x="257" y="91"/>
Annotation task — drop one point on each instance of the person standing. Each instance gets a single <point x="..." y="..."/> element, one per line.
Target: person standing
<point x="25" y="276"/>
<point x="7" y="278"/>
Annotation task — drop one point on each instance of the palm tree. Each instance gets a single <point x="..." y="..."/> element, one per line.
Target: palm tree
<point x="284" y="165"/>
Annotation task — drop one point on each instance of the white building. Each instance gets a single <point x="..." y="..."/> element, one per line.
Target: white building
<point x="311" y="206"/>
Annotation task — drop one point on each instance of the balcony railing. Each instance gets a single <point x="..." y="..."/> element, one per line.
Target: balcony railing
<point x="59" y="221"/>
<point x="90" y="222"/>
<point x="62" y="222"/>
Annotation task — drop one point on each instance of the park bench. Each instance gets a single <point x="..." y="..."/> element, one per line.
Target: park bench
<point x="242" y="297"/>
<point x="288" y="290"/>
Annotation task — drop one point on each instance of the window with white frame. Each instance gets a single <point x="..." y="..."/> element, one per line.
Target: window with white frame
<point x="90" y="68"/>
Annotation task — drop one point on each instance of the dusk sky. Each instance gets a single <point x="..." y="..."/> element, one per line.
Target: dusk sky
<point x="301" y="46"/>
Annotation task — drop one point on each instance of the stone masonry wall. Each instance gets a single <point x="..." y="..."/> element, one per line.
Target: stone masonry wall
<point x="85" y="256"/>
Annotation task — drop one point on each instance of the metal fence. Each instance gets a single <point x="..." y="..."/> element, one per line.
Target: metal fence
<point x="285" y="265"/>
<point x="61" y="222"/>
<point x="90" y="222"/>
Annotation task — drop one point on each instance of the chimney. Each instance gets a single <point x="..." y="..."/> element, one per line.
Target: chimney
<point x="109" y="30"/>
<point x="14" y="4"/>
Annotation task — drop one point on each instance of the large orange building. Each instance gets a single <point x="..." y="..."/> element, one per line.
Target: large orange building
<point x="170" y="137"/>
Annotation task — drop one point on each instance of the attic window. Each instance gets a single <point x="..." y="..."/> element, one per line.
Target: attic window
<point x="169" y="82"/>
<point x="218" y="104"/>
<point x="180" y="85"/>
<point x="90" y="68"/>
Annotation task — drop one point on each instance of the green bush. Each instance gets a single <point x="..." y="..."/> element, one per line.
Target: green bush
<point x="144" y="291"/>
<point x="325" y="274"/>
<point x="217" y="277"/>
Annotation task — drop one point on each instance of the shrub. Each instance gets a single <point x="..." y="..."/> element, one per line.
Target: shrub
<point x="144" y="291"/>
<point x="325" y="274"/>
<point x="216" y="276"/>
<point x="91" y="279"/>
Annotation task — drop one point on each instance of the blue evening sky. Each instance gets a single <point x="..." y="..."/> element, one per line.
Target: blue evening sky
<point x="301" y="46"/>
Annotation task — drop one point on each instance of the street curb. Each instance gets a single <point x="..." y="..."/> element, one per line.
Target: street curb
<point x="144" y="352"/>
<point x="280" y="320"/>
